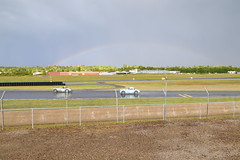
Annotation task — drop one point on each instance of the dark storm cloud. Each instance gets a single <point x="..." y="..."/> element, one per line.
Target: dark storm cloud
<point x="153" y="32"/>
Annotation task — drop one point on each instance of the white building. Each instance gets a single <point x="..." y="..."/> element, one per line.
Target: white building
<point x="232" y="72"/>
<point x="37" y="73"/>
<point x="107" y="73"/>
<point x="135" y="71"/>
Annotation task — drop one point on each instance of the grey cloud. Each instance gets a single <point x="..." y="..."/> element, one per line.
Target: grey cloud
<point x="51" y="30"/>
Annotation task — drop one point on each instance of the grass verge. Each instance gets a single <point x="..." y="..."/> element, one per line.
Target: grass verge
<point x="56" y="103"/>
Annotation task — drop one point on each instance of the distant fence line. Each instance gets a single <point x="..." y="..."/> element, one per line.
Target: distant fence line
<point x="70" y="115"/>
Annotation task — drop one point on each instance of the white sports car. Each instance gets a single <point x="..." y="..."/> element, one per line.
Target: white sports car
<point x="129" y="90"/>
<point x="62" y="89"/>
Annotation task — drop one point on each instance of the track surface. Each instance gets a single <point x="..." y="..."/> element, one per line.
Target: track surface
<point x="111" y="94"/>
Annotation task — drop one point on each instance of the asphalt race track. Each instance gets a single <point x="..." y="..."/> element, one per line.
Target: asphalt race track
<point x="76" y="94"/>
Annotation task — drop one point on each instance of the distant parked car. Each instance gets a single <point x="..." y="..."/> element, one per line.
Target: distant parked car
<point x="129" y="90"/>
<point x="62" y="89"/>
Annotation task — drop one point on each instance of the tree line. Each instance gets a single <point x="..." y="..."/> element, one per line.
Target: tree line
<point x="21" y="71"/>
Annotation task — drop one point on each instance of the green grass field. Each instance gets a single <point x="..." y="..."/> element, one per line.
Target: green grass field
<point x="198" y="85"/>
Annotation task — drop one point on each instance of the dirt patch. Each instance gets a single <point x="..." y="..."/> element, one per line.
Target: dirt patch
<point x="192" y="139"/>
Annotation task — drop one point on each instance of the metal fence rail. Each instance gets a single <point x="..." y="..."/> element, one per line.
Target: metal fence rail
<point x="68" y="115"/>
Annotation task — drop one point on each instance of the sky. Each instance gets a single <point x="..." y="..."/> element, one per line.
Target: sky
<point x="117" y="32"/>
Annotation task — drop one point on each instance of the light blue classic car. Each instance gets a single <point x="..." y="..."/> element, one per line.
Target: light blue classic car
<point x="129" y="90"/>
<point x="62" y="89"/>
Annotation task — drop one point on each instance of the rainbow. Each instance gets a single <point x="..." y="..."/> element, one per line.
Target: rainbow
<point x="91" y="50"/>
<point x="99" y="49"/>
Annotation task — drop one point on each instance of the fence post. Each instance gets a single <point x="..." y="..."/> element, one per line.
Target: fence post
<point x="80" y="116"/>
<point x="2" y="120"/>
<point x="32" y="119"/>
<point x="66" y="108"/>
<point x="207" y="102"/>
<point x="117" y="113"/>
<point x="165" y="101"/>
<point x="123" y="113"/>
<point x="2" y="110"/>
<point x="164" y="111"/>
<point x="2" y="115"/>
<point x="116" y="105"/>
<point x="207" y="111"/>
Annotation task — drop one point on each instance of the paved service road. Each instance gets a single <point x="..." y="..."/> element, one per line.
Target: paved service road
<point x="111" y="94"/>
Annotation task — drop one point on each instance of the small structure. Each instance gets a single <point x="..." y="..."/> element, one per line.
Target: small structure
<point x="107" y="73"/>
<point x="232" y="72"/>
<point x="135" y="71"/>
<point x="89" y="73"/>
<point x="37" y="73"/>
<point x="123" y="72"/>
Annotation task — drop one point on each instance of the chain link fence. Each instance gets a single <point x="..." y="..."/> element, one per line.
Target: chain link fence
<point x="119" y="114"/>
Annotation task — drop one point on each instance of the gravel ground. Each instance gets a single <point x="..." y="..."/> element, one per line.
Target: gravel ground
<point x="190" y="139"/>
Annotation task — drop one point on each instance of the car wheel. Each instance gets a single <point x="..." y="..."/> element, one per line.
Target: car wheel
<point x="55" y="91"/>
<point x="136" y="93"/>
<point x="123" y="93"/>
<point x="67" y="91"/>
